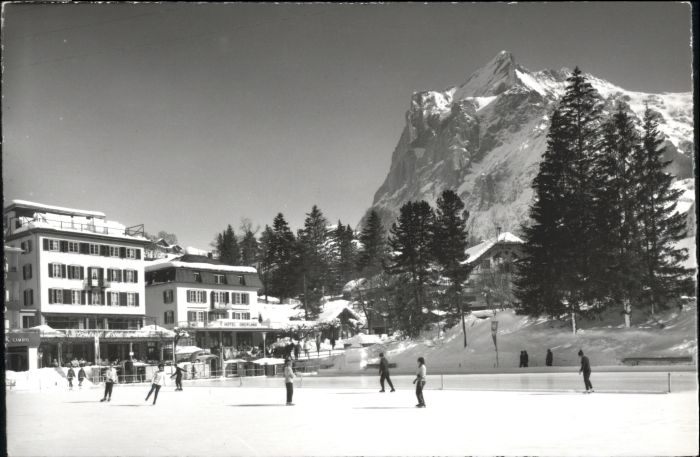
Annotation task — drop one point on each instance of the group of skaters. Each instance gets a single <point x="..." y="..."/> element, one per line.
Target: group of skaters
<point x="420" y="380"/>
<point x="525" y="359"/>
<point x="71" y="375"/>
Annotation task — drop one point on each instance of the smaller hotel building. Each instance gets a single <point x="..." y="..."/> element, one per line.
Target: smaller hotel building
<point x="216" y="304"/>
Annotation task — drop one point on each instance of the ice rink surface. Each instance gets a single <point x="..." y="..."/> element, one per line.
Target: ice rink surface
<point x="222" y="421"/>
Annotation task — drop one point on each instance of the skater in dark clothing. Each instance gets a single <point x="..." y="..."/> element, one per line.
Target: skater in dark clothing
<point x="81" y="376"/>
<point x="420" y="382"/>
<point x="178" y="377"/>
<point x="110" y="379"/>
<point x="318" y="345"/>
<point x="194" y="372"/>
<point x="332" y="342"/>
<point x="525" y="359"/>
<point x="549" y="359"/>
<point x="586" y="370"/>
<point x="70" y="376"/>
<point x="384" y="372"/>
<point x="157" y="382"/>
<point x="289" y="381"/>
<point x="297" y="351"/>
<point x="289" y="350"/>
<point x="522" y="359"/>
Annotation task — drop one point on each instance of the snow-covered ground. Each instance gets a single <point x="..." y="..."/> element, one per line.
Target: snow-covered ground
<point x="606" y="342"/>
<point x="340" y="421"/>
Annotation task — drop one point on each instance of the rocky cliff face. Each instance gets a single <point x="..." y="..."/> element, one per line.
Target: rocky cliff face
<point x="485" y="139"/>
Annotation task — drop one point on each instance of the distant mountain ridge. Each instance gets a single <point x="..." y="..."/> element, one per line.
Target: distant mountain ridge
<point x="485" y="139"/>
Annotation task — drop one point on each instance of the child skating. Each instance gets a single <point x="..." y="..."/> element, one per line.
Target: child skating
<point x="157" y="382"/>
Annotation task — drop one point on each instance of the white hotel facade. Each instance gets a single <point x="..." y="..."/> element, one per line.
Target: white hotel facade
<point x="81" y="275"/>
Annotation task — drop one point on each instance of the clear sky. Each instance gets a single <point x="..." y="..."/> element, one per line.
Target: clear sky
<point x="189" y="117"/>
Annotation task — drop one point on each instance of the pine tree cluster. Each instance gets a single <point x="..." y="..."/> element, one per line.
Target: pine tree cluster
<point x="604" y="226"/>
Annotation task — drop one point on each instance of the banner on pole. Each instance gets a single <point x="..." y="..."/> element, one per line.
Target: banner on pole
<point x="494" y="329"/>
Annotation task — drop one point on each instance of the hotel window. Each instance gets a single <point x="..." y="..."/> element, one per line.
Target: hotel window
<point x="75" y="272"/>
<point x="197" y="276"/>
<point x="238" y="298"/>
<point x="96" y="298"/>
<point x="168" y="296"/>
<point x="94" y="249"/>
<point x="196" y="296"/>
<point x="76" y="297"/>
<point x="130" y="276"/>
<point x="131" y="299"/>
<point x="57" y="270"/>
<point x="241" y="280"/>
<point x="26" y="246"/>
<point x="114" y="275"/>
<point x="169" y="317"/>
<point x="114" y="251"/>
<point x="51" y="245"/>
<point x="219" y="279"/>
<point x="220" y="297"/>
<point x="28" y="297"/>
<point x="27" y="271"/>
<point x="27" y="321"/>
<point x="130" y="253"/>
<point x="114" y="299"/>
<point x="74" y="247"/>
<point x="56" y="296"/>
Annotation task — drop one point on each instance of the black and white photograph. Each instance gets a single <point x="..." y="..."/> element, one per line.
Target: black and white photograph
<point x="357" y="229"/>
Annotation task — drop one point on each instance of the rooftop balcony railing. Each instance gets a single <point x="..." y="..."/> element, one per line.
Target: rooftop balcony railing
<point x="19" y="224"/>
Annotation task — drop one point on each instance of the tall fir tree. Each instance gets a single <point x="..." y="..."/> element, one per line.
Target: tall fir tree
<point x="563" y="227"/>
<point x="266" y="259"/>
<point x="314" y="260"/>
<point x="449" y="245"/>
<point x="284" y="254"/>
<point x="540" y="284"/>
<point x="249" y="248"/>
<point x="227" y="246"/>
<point x="663" y="277"/>
<point x="343" y="256"/>
<point x="617" y="246"/>
<point x="410" y="261"/>
<point x="371" y="258"/>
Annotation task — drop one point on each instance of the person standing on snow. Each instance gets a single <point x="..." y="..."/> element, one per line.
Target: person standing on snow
<point x="586" y="370"/>
<point x="420" y="382"/>
<point x="297" y="350"/>
<point x="178" y="377"/>
<point x="81" y="376"/>
<point x="525" y="359"/>
<point x="549" y="359"/>
<point x="289" y="380"/>
<point x="70" y="376"/>
<point x="384" y="372"/>
<point x="110" y="379"/>
<point x="157" y="382"/>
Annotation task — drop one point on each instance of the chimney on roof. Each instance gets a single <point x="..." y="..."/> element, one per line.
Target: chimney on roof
<point x="498" y="233"/>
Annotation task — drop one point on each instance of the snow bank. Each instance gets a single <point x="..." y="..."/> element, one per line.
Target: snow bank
<point x="43" y="378"/>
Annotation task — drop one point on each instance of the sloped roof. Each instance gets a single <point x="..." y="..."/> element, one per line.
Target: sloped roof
<point x="475" y="252"/>
<point x="333" y="309"/>
<point x="199" y="262"/>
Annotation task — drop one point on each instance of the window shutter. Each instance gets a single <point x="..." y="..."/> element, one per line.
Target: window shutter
<point x="138" y="254"/>
<point x="122" y="298"/>
<point x="46" y="244"/>
<point x="30" y="271"/>
<point x="51" y="270"/>
<point x="71" y="272"/>
<point x="67" y="299"/>
<point x="101" y="274"/>
<point x="122" y="252"/>
<point x="104" y="250"/>
<point x="136" y="299"/>
<point x="89" y="297"/>
<point x="244" y="299"/>
<point x="165" y="296"/>
<point x="24" y="272"/>
<point x="50" y="296"/>
<point x="226" y="300"/>
<point x="63" y="246"/>
<point x="212" y="298"/>
<point x="82" y="297"/>
<point x="102" y="297"/>
<point x="63" y="271"/>
<point x="84" y="248"/>
<point x="82" y="272"/>
<point x="136" y="276"/>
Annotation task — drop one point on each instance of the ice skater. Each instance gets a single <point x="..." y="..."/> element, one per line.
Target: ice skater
<point x="157" y="382"/>
<point x="178" y="377"/>
<point x="586" y="370"/>
<point x="110" y="379"/>
<point x="297" y="350"/>
<point x="384" y="372"/>
<point x="420" y="382"/>
<point x="549" y="359"/>
<point x="289" y="380"/>
<point x="81" y="376"/>
<point x="70" y="376"/>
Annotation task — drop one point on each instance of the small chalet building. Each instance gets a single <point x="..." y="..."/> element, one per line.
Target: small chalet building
<point x="216" y="304"/>
<point x="490" y="282"/>
<point x="78" y="277"/>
